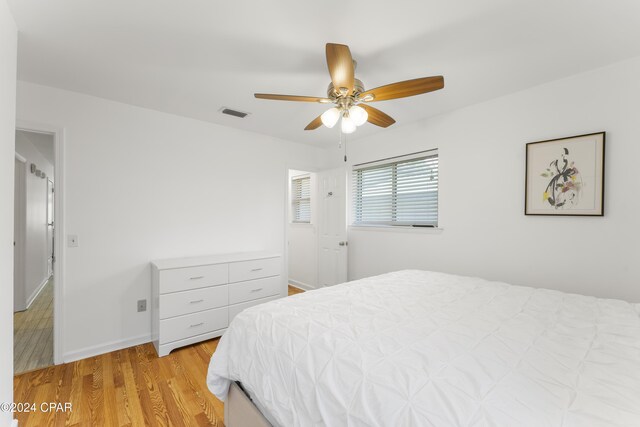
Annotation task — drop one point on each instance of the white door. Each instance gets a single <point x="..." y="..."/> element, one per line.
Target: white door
<point x="332" y="230"/>
<point x="50" y="258"/>
<point x="19" y="218"/>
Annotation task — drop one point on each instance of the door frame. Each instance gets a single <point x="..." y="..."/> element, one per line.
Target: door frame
<point x="20" y="231"/>
<point x="58" y="232"/>
<point x="51" y="188"/>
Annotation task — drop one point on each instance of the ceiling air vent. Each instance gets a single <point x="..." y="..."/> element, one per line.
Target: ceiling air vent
<point x="234" y="113"/>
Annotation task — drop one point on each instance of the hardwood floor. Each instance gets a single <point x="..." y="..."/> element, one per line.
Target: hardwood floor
<point x="129" y="387"/>
<point x="293" y="290"/>
<point x="33" y="333"/>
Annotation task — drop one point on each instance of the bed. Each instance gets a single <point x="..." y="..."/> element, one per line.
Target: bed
<point x="419" y="348"/>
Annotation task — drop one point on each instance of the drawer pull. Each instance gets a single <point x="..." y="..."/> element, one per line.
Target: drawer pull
<point x="256" y="290"/>
<point x="197" y="324"/>
<point x="196" y="301"/>
<point x="256" y="269"/>
<point x="196" y="277"/>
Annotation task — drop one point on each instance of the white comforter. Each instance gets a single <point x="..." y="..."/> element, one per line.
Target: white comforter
<point x="416" y="348"/>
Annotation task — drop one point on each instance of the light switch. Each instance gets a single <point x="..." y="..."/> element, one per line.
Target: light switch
<point x="72" y="241"/>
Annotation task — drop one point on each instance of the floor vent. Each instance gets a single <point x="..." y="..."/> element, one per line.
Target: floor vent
<point x="234" y="113"/>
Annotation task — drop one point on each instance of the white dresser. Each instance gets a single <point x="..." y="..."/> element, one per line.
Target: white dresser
<point x="194" y="299"/>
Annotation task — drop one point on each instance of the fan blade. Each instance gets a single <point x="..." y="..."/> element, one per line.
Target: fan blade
<point x="340" y="65"/>
<point x="292" y="98"/>
<point x="404" y="89"/>
<point x="315" y="124"/>
<point x="377" y="117"/>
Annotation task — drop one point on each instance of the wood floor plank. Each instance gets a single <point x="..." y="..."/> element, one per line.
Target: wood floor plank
<point x="28" y="396"/>
<point x="184" y="387"/>
<point x="109" y="392"/>
<point x="126" y="388"/>
<point x="43" y="417"/>
<point x="148" y="392"/>
<point x="176" y="409"/>
<point x="65" y="381"/>
<point x="96" y="402"/>
<point x="130" y="389"/>
<point x="75" y="394"/>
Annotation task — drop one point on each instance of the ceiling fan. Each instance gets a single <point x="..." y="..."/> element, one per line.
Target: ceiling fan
<point x="350" y="97"/>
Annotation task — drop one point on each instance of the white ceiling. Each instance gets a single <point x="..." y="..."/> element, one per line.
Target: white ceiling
<point x="193" y="57"/>
<point x="42" y="141"/>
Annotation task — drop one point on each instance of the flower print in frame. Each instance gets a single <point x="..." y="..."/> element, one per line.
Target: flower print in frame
<point x="565" y="176"/>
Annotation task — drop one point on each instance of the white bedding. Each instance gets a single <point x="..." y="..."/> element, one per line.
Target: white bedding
<point x="417" y="348"/>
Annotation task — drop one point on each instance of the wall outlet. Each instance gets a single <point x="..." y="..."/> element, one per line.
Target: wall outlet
<point x="72" y="241"/>
<point x="142" y="305"/>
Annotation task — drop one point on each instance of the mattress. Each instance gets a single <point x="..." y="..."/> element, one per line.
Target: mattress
<point x="418" y="348"/>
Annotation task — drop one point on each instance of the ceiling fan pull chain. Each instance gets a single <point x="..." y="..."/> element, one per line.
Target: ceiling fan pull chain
<point x="345" y="149"/>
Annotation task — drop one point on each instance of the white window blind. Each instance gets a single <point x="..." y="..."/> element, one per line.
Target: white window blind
<point x="398" y="191"/>
<point x="301" y="199"/>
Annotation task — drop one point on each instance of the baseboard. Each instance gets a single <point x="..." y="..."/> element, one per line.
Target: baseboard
<point x="35" y="293"/>
<point x="97" y="350"/>
<point x="300" y="285"/>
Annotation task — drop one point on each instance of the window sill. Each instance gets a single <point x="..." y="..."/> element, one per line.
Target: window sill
<point x="397" y="229"/>
<point x="301" y="224"/>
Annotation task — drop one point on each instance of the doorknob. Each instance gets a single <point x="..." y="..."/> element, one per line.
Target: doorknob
<point x="343" y="243"/>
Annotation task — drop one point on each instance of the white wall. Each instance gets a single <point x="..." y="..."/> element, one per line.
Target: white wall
<point x="8" y="60"/>
<point x="482" y="166"/>
<point x="36" y="267"/>
<point x="142" y="185"/>
<point x="303" y="241"/>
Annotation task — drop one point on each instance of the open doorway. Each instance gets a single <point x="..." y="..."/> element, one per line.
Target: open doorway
<point x="302" y="231"/>
<point x="317" y="247"/>
<point x="34" y="257"/>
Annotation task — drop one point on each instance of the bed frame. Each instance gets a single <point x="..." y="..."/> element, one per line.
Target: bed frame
<point x="239" y="410"/>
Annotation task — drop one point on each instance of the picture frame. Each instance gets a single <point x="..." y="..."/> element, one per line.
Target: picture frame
<point x="565" y="176"/>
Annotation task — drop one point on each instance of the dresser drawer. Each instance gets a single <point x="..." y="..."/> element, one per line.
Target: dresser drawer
<point x="254" y="289"/>
<point x="255" y="269"/>
<point x="179" y="303"/>
<point x="181" y="327"/>
<point x="183" y="279"/>
<point x="234" y="310"/>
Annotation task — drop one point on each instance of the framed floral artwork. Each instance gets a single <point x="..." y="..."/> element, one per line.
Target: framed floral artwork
<point x="565" y="176"/>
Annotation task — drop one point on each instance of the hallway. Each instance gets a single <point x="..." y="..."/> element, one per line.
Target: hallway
<point x="33" y="333"/>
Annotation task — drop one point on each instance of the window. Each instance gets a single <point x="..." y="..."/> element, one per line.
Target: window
<point x="301" y="199"/>
<point x="398" y="191"/>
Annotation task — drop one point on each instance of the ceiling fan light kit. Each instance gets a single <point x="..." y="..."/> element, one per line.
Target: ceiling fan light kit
<point x="350" y="98"/>
<point x="358" y="114"/>
<point x="348" y="125"/>
<point x="330" y="117"/>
